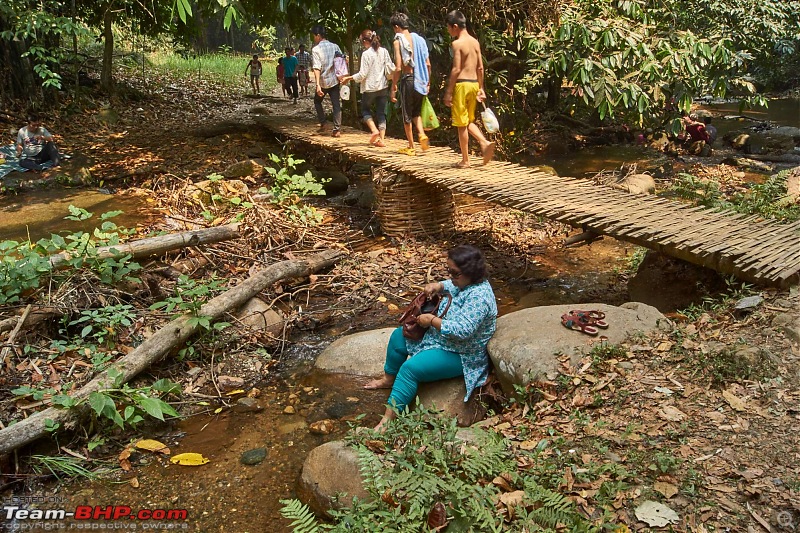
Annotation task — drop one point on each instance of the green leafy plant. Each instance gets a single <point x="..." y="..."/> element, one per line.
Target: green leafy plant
<point x="664" y="463"/>
<point x="189" y="297"/>
<point x="125" y="405"/>
<point x="21" y="270"/>
<point x="603" y="351"/>
<point x="24" y="265"/>
<point x="288" y="189"/>
<point x="102" y="325"/>
<point x="768" y="199"/>
<point x="426" y="463"/>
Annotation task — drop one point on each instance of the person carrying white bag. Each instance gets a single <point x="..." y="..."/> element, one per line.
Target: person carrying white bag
<point x="465" y="88"/>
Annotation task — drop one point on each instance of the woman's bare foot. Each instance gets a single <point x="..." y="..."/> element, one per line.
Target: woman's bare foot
<point x="388" y="416"/>
<point x="385" y="382"/>
<point x="461" y="164"/>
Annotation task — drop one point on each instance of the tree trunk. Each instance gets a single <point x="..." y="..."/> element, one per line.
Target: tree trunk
<point x="106" y="75"/>
<point x="161" y="343"/>
<point x="159" y="245"/>
<point x="553" y="92"/>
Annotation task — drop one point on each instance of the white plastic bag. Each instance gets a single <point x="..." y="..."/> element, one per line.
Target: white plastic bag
<point x="344" y="92"/>
<point x="489" y="119"/>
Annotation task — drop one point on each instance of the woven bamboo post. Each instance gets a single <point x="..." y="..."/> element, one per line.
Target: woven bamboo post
<point x="408" y="206"/>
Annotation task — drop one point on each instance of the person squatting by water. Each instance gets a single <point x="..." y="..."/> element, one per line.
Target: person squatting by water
<point x="323" y="55"/>
<point x="465" y="88"/>
<point x="35" y="147"/>
<point x="373" y="85"/>
<point x="411" y="79"/>
<point x="452" y="346"/>
<point x="254" y="66"/>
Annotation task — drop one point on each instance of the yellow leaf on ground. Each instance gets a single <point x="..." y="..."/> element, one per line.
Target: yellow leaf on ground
<point x="151" y="445"/>
<point x="235" y="392"/>
<point x="189" y="459"/>
<point x="381" y="298"/>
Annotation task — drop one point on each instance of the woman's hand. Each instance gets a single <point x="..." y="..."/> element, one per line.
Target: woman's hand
<point x="433" y="288"/>
<point x="425" y="320"/>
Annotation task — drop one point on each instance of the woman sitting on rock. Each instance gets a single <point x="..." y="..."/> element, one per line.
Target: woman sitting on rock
<point x="452" y="346"/>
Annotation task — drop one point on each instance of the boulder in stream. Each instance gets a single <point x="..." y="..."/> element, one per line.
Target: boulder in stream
<point x="527" y="344"/>
<point x="363" y="354"/>
<point x="330" y="470"/>
<point x="258" y="315"/>
<point x="242" y="169"/>
<point x="636" y="184"/>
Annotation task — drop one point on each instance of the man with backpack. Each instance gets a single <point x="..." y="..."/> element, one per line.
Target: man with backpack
<point x="411" y="79"/>
<point x="323" y="55"/>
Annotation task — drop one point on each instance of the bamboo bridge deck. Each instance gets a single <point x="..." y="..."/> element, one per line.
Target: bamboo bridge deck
<point x="748" y="247"/>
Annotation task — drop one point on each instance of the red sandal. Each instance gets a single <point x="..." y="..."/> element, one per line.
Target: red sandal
<point x="593" y="317"/>
<point x="577" y="323"/>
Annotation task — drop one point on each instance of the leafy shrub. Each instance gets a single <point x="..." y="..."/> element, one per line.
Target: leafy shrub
<point x="427" y="466"/>
<point x="24" y="265"/>
<point x="288" y="189"/>
<point x="766" y="199"/>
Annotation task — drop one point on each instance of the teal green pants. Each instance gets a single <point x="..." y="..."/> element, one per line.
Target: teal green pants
<point x="426" y="366"/>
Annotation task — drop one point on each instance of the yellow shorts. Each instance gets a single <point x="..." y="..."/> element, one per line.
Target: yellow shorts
<point x="465" y="96"/>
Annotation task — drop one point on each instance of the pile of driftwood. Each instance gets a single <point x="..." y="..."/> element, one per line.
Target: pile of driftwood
<point x="163" y="341"/>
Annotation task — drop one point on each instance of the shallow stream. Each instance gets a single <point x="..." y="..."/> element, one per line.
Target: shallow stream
<point x="225" y="495"/>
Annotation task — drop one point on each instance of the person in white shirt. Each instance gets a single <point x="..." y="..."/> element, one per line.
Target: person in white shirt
<point x="35" y="146"/>
<point x="374" y="87"/>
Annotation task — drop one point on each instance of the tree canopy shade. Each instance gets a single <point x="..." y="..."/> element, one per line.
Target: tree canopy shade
<point x="33" y="33"/>
<point x="639" y="58"/>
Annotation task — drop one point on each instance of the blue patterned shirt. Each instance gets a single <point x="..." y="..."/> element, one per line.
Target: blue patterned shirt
<point x="466" y="329"/>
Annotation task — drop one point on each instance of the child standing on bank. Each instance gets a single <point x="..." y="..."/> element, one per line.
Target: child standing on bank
<point x="254" y="66"/>
<point x="280" y="74"/>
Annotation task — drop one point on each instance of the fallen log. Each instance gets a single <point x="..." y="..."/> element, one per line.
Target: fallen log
<point x="588" y="236"/>
<point x="36" y="316"/>
<point x="162" y="342"/>
<point x="159" y="245"/>
<point x="774" y="158"/>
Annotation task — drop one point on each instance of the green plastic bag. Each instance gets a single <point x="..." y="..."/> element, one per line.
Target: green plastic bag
<point x="429" y="119"/>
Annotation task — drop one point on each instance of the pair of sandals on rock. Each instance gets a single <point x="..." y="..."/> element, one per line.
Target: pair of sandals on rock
<point x="586" y="322"/>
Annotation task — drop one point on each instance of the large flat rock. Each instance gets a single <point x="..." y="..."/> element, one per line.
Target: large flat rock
<point x="363" y="354"/>
<point x="527" y="343"/>
<point x="359" y="354"/>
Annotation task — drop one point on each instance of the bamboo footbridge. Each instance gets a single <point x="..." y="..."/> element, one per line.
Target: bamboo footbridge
<point x="748" y="247"/>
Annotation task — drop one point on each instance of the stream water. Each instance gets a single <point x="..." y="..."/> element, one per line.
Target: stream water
<point x="33" y="215"/>
<point x="225" y="495"/>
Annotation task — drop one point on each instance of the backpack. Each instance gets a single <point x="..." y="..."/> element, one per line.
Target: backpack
<point x="340" y="65"/>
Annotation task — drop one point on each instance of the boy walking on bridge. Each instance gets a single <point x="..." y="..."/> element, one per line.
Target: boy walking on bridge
<point x="465" y="88"/>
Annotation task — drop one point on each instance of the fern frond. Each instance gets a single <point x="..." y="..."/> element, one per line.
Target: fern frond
<point x="304" y="520"/>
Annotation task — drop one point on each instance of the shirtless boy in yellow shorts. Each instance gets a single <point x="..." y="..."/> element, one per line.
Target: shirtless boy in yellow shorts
<point x="465" y="88"/>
